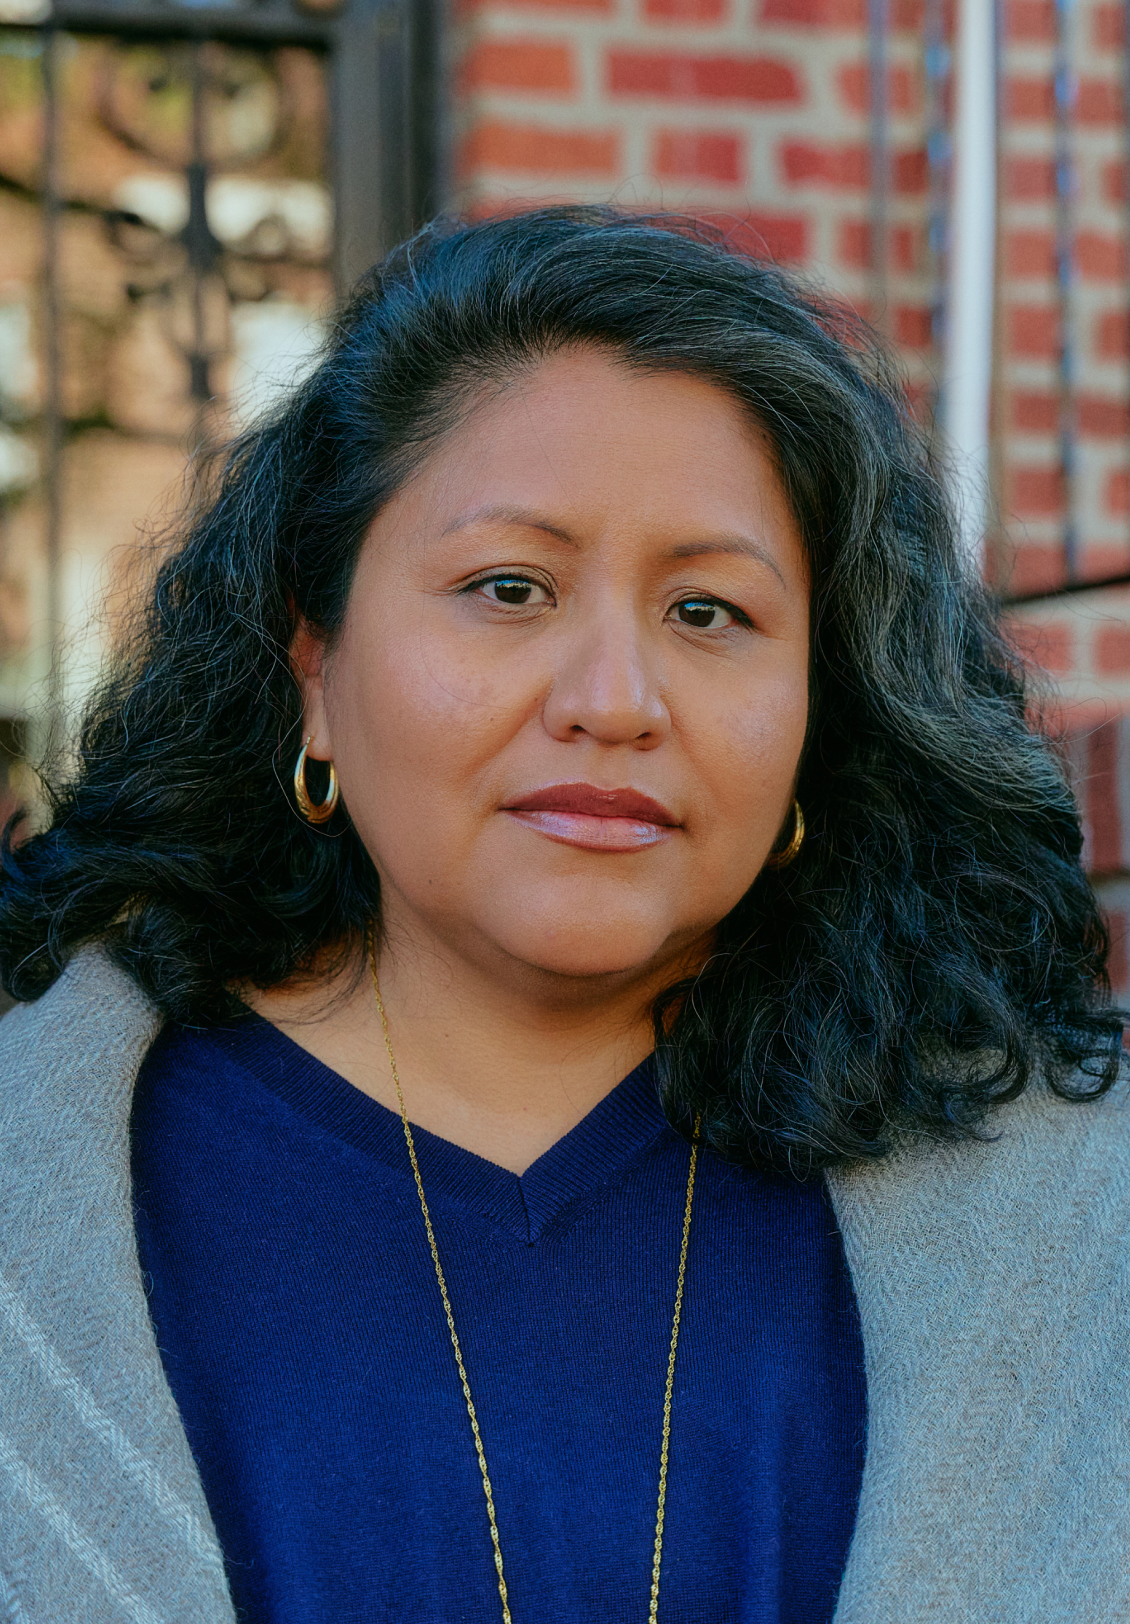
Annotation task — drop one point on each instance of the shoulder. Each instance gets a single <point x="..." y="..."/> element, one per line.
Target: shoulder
<point x="994" y="1237"/>
<point x="94" y="1015"/>
<point x="1047" y="1171"/>
<point x="92" y="1440"/>
<point x="993" y="1283"/>
<point x="67" y="1068"/>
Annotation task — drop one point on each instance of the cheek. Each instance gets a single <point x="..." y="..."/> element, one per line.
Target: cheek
<point x="768" y="737"/>
<point x="746" y="764"/>
<point x="414" y="717"/>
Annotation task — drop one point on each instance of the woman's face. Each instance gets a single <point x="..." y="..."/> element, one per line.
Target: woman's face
<point x="569" y="696"/>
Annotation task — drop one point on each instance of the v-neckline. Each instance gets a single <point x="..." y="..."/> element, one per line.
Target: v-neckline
<point x="615" y="1132"/>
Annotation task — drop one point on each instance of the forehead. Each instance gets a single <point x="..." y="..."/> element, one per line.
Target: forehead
<point x="592" y="443"/>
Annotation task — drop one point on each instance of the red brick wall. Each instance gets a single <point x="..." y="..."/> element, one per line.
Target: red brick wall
<point x="1083" y="642"/>
<point x="697" y="104"/>
<point x="757" y="112"/>
<point x="1030" y="329"/>
<point x="752" y="111"/>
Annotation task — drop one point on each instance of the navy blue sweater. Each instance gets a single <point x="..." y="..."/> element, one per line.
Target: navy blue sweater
<point x="303" y="1336"/>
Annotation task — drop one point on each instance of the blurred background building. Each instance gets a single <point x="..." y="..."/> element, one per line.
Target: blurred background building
<point x="185" y="188"/>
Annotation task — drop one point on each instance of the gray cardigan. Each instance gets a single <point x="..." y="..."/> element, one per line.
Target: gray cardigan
<point x="992" y="1281"/>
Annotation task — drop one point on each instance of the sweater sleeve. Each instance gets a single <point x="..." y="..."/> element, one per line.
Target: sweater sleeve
<point x="102" y="1515"/>
<point x="993" y="1281"/>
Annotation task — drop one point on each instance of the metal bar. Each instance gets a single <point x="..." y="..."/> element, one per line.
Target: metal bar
<point x="994" y="547"/>
<point x="878" y="20"/>
<point x="428" y="114"/>
<point x="202" y="250"/>
<point x="373" y="180"/>
<point x="972" y="269"/>
<point x="1064" y="280"/>
<point x="936" y="64"/>
<point x="1067" y="589"/>
<point x="1126" y="131"/>
<point x="53" y="426"/>
<point x="139" y="19"/>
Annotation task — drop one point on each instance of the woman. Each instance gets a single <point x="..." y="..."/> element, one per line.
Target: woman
<point x="564" y="1070"/>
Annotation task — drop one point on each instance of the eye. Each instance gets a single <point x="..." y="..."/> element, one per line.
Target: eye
<point x="705" y="614"/>
<point x="512" y="590"/>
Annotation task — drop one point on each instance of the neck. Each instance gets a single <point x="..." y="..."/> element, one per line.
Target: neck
<point x="503" y="1068"/>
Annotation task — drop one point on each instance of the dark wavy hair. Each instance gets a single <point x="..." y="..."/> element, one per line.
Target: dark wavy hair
<point x="935" y="946"/>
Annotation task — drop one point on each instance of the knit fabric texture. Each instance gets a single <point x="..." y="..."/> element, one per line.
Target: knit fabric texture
<point x="993" y="1283"/>
<point x="304" y="1339"/>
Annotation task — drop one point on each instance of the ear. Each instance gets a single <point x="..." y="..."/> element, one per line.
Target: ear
<point x="307" y="661"/>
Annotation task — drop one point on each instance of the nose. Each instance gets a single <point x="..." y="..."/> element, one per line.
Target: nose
<point x="606" y="685"/>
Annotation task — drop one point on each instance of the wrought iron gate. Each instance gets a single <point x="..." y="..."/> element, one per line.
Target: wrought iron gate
<point x="183" y="187"/>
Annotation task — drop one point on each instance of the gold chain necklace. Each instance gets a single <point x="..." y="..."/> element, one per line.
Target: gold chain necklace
<point x="653" y="1610"/>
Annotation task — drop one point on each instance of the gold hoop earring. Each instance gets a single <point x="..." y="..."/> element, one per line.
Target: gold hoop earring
<point x="312" y="812"/>
<point x="788" y="854"/>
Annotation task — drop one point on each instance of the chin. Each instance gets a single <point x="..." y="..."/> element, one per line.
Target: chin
<point x="612" y="949"/>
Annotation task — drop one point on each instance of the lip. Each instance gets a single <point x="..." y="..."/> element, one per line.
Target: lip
<point x="612" y="820"/>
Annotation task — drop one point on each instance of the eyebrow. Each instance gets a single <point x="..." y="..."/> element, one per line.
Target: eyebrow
<point x="740" y="546"/>
<point x="493" y="514"/>
<point x="733" y="545"/>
